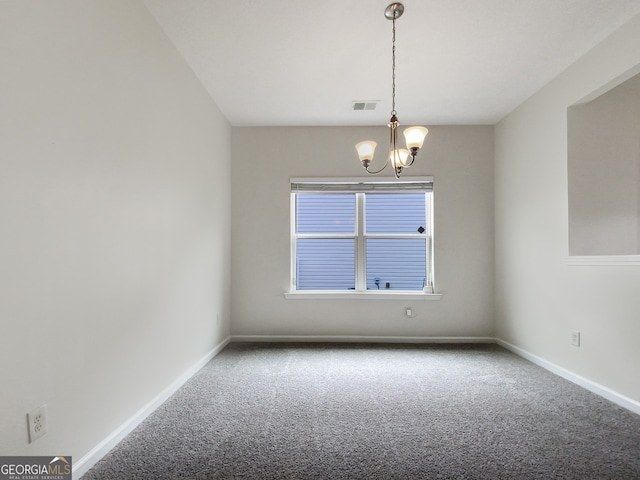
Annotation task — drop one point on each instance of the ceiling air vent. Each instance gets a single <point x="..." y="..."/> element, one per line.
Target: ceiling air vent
<point x="366" y="105"/>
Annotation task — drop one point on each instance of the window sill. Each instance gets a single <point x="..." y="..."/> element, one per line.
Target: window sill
<point x="604" y="260"/>
<point x="334" y="295"/>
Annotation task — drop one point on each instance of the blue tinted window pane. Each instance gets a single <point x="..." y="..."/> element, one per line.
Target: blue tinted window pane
<point x="325" y="264"/>
<point x="401" y="263"/>
<point x="402" y="213"/>
<point x="326" y="213"/>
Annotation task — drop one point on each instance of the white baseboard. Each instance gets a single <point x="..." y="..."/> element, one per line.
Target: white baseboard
<point x="358" y="339"/>
<point x="90" y="459"/>
<point x="594" y="387"/>
<point x="604" y="260"/>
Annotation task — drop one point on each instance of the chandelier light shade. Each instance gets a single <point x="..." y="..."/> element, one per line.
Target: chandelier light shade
<point x="414" y="136"/>
<point x="398" y="158"/>
<point x="365" y="151"/>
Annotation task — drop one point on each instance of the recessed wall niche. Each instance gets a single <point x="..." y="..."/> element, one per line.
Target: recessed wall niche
<point x="604" y="170"/>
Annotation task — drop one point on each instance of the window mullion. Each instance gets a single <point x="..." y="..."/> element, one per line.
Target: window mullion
<point x="396" y="235"/>
<point x="428" y="208"/>
<point x="361" y="260"/>
<point x="429" y="285"/>
<point x="294" y="264"/>
<point x="324" y="235"/>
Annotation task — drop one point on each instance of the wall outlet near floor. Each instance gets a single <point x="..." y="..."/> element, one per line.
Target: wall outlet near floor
<point x="575" y="338"/>
<point x="37" y="420"/>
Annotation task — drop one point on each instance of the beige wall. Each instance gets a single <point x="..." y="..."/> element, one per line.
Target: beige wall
<point x="264" y="159"/>
<point x="604" y="172"/>
<point x="114" y="219"/>
<point x="539" y="297"/>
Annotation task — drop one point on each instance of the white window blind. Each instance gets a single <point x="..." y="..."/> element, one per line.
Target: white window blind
<point x="320" y="185"/>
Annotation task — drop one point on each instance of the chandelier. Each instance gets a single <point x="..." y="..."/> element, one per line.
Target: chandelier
<point x="399" y="158"/>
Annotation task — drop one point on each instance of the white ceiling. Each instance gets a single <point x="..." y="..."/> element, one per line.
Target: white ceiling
<point x="303" y="62"/>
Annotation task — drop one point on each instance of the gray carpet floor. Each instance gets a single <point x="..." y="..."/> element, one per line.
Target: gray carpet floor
<point x="345" y="411"/>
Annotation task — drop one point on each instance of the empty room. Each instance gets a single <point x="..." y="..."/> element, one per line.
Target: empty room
<point x="357" y="239"/>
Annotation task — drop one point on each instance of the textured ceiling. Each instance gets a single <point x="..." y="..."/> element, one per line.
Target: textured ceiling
<point x="303" y="62"/>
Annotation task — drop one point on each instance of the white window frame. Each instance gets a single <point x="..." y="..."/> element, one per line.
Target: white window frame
<point x="361" y="186"/>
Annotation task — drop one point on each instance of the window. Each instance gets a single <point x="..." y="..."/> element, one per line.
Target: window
<point x="361" y="235"/>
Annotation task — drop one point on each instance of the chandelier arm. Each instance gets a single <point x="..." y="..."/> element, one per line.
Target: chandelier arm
<point x="377" y="171"/>
<point x="393" y="146"/>
<point x="413" y="158"/>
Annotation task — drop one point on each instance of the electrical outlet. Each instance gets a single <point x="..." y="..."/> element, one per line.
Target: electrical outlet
<point x="575" y="338"/>
<point x="37" y="420"/>
<point x="408" y="311"/>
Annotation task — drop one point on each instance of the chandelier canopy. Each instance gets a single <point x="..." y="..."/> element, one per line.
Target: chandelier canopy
<point x="399" y="158"/>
